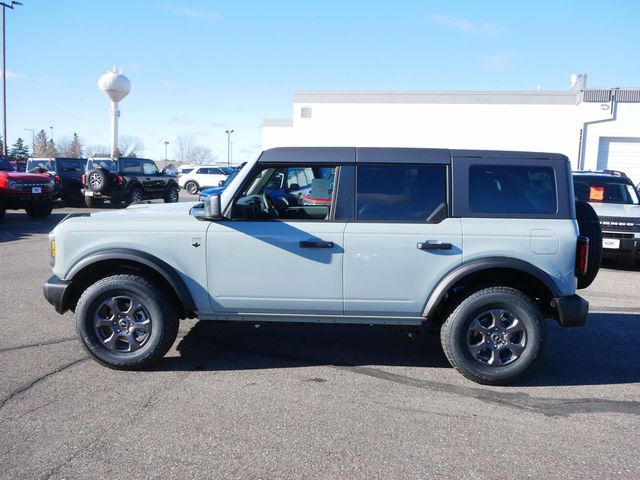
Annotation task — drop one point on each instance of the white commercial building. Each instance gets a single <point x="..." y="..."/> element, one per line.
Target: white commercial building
<point x="595" y="128"/>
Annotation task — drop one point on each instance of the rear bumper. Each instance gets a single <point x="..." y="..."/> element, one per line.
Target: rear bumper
<point x="54" y="291"/>
<point x="572" y="310"/>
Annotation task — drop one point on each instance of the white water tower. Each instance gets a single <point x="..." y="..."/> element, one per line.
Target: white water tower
<point x="115" y="86"/>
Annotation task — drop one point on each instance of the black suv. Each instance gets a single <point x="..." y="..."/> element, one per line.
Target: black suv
<point x="126" y="181"/>
<point x="66" y="173"/>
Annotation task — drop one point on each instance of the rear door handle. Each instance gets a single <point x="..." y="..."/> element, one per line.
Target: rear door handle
<point x="434" y="245"/>
<point x="315" y="244"/>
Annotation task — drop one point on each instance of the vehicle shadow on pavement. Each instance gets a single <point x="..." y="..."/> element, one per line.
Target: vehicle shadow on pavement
<point x="18" y="225"/>
<point x="603" y="352"/>
<point x="619" y="264"/>
<point x="228" y="346"/>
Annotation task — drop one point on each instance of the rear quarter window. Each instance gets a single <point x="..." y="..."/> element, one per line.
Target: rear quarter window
<point x="512" y="189"/>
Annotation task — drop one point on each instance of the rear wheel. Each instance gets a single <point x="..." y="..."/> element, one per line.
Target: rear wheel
<point x="191" y="187"/>
<point x="589" y="226"/>
<point x="92" y="202"/>
<point x="74" y="196"/>
<point x="40" y="211"/>
<point x="126" y="322"/>
<point x="135" y="196"/>
<point x="494" y="336"/>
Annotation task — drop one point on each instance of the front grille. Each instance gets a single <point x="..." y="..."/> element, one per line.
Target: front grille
<point x="620" y="224"/>
<point x="617" y="235"/>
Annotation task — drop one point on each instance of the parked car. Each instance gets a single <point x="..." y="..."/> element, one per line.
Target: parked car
<point x="408" y="239"/>
<point x="66" y="173"/>
<point x="29" y="191"/>
<point x="126" y="181"/>
<point x="202" y="177"/>
<point x="615" y="199"/>
<point x="222" y="184"/>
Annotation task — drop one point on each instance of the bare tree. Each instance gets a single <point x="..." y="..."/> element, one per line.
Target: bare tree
<point x="130" y="146"/>
<point x="97" y="151"/>
<point x="187" y="151"/>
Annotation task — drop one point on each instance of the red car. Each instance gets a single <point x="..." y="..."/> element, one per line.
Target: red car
<point x="29" y="191"/>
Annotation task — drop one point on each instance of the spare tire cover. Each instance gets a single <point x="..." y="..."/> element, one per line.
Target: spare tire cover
<point x="589" y="225"/>
<point x="97" y="180"/>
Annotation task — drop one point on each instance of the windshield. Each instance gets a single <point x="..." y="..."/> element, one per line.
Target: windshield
<point x="603" y="190"/>
<point x="233" y="175"/>
<point x="111" y="165"/>
<point x="34" y="165"/>
<point x="5" y="166"/>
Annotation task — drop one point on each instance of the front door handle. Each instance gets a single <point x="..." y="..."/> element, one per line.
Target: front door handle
<point x="315" y="244"/>
<point x="434" y="245"/>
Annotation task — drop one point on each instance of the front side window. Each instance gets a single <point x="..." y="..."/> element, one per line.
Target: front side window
<point x="512" y="189"/>
<point x="268" y="195"/>
<point x="400" y="193"/>
<point x="149" y="168"/>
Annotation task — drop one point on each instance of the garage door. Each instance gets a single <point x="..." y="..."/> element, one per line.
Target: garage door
<point x="622" y="154"/>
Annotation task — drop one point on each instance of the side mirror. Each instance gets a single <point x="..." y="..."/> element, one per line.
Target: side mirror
<point x="212" y="208"/>
<point x="294" y="187"/>
<point x="221" y="183"/>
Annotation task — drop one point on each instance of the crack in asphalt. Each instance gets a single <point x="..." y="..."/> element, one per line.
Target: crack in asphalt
<point x="24" y="388"/>
<point x="550" y="407"/>
<point x="39" y="344"/>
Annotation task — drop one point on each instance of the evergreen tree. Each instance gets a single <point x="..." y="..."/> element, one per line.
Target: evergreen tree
<point x="19" y="152"/>
<point x="75" y="147"/>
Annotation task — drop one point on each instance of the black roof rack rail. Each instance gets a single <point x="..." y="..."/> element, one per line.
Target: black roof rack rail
<point x="617" y="173"/>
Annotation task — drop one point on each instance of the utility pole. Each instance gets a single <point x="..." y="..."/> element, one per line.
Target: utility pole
<point x="33" y="139"/>
<point x="229" y="132"/>
<point x="165" y="150"/>
<point x="4" y="77"/>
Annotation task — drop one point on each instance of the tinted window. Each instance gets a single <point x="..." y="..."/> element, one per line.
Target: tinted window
<point x="512" y="189"/>
<point x="68" y="165"/>
<point x="131" y="166"/>
<point x="399" y="193"/>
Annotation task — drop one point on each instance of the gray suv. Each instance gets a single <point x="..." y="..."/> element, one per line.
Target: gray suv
<point x="483" y="244"/>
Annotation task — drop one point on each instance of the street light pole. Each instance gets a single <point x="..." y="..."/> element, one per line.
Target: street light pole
<point x="33" y="139"/>
<point x="165" y="150"/>
<point x="229" y="132"/>
<point x="51" y="133"/>
<point x="4" y="78"/>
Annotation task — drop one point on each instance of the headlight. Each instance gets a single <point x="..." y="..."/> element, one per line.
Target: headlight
<point x="13" y="185"/>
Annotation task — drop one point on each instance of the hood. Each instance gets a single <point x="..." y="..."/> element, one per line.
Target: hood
<point x="149" y="211"/>
<point x="616" y="210"/>
<point x="27" y="177"/>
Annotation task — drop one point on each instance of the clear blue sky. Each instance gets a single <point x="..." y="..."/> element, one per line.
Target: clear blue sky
<point x="201" y="66"/>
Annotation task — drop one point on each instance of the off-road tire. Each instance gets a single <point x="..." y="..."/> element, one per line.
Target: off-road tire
<point x="589" y="226"/>
<point x="456" y="335"/>
<point x="172" y="195"/>
<point x="92" y="202"/>
<point x="135" y="196"/>
<point x="40" y="211"/>
<point x="191" y="187"/>
<point x="162" y="315"/>
<point x="98" y="180"/>
<point x="74" y="197"/>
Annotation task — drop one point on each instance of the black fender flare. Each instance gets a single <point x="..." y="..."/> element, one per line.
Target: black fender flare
<point x="451" y="278"/>
<point x="161" y="267"/>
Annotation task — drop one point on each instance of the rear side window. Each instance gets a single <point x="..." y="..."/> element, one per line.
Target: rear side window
<point x="131" y="166"/>
<point x="399" y="193"/>
<point x="512" y="189"/>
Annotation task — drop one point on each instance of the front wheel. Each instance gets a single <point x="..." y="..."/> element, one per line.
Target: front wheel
<point x="172" y="195"/>
<point x="494" y="336"/>
<point x="40" y="211"/>
<point x="126" y="322"/>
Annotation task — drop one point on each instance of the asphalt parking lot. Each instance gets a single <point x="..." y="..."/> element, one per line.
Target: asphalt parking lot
<point x="235" y="401"/>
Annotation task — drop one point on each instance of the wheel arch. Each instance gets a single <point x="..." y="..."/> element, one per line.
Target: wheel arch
<point x="121" y="260"/>
<point x="509" y="272"/>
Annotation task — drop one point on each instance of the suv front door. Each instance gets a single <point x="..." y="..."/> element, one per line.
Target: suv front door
<point x="273" y="257"/>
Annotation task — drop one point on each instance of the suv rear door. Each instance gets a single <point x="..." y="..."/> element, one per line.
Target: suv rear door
<point x="403" y="239"/>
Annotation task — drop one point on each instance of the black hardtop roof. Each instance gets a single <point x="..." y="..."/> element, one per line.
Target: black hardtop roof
<point x="610" y="175"/>
<point x="389" y="155"/>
